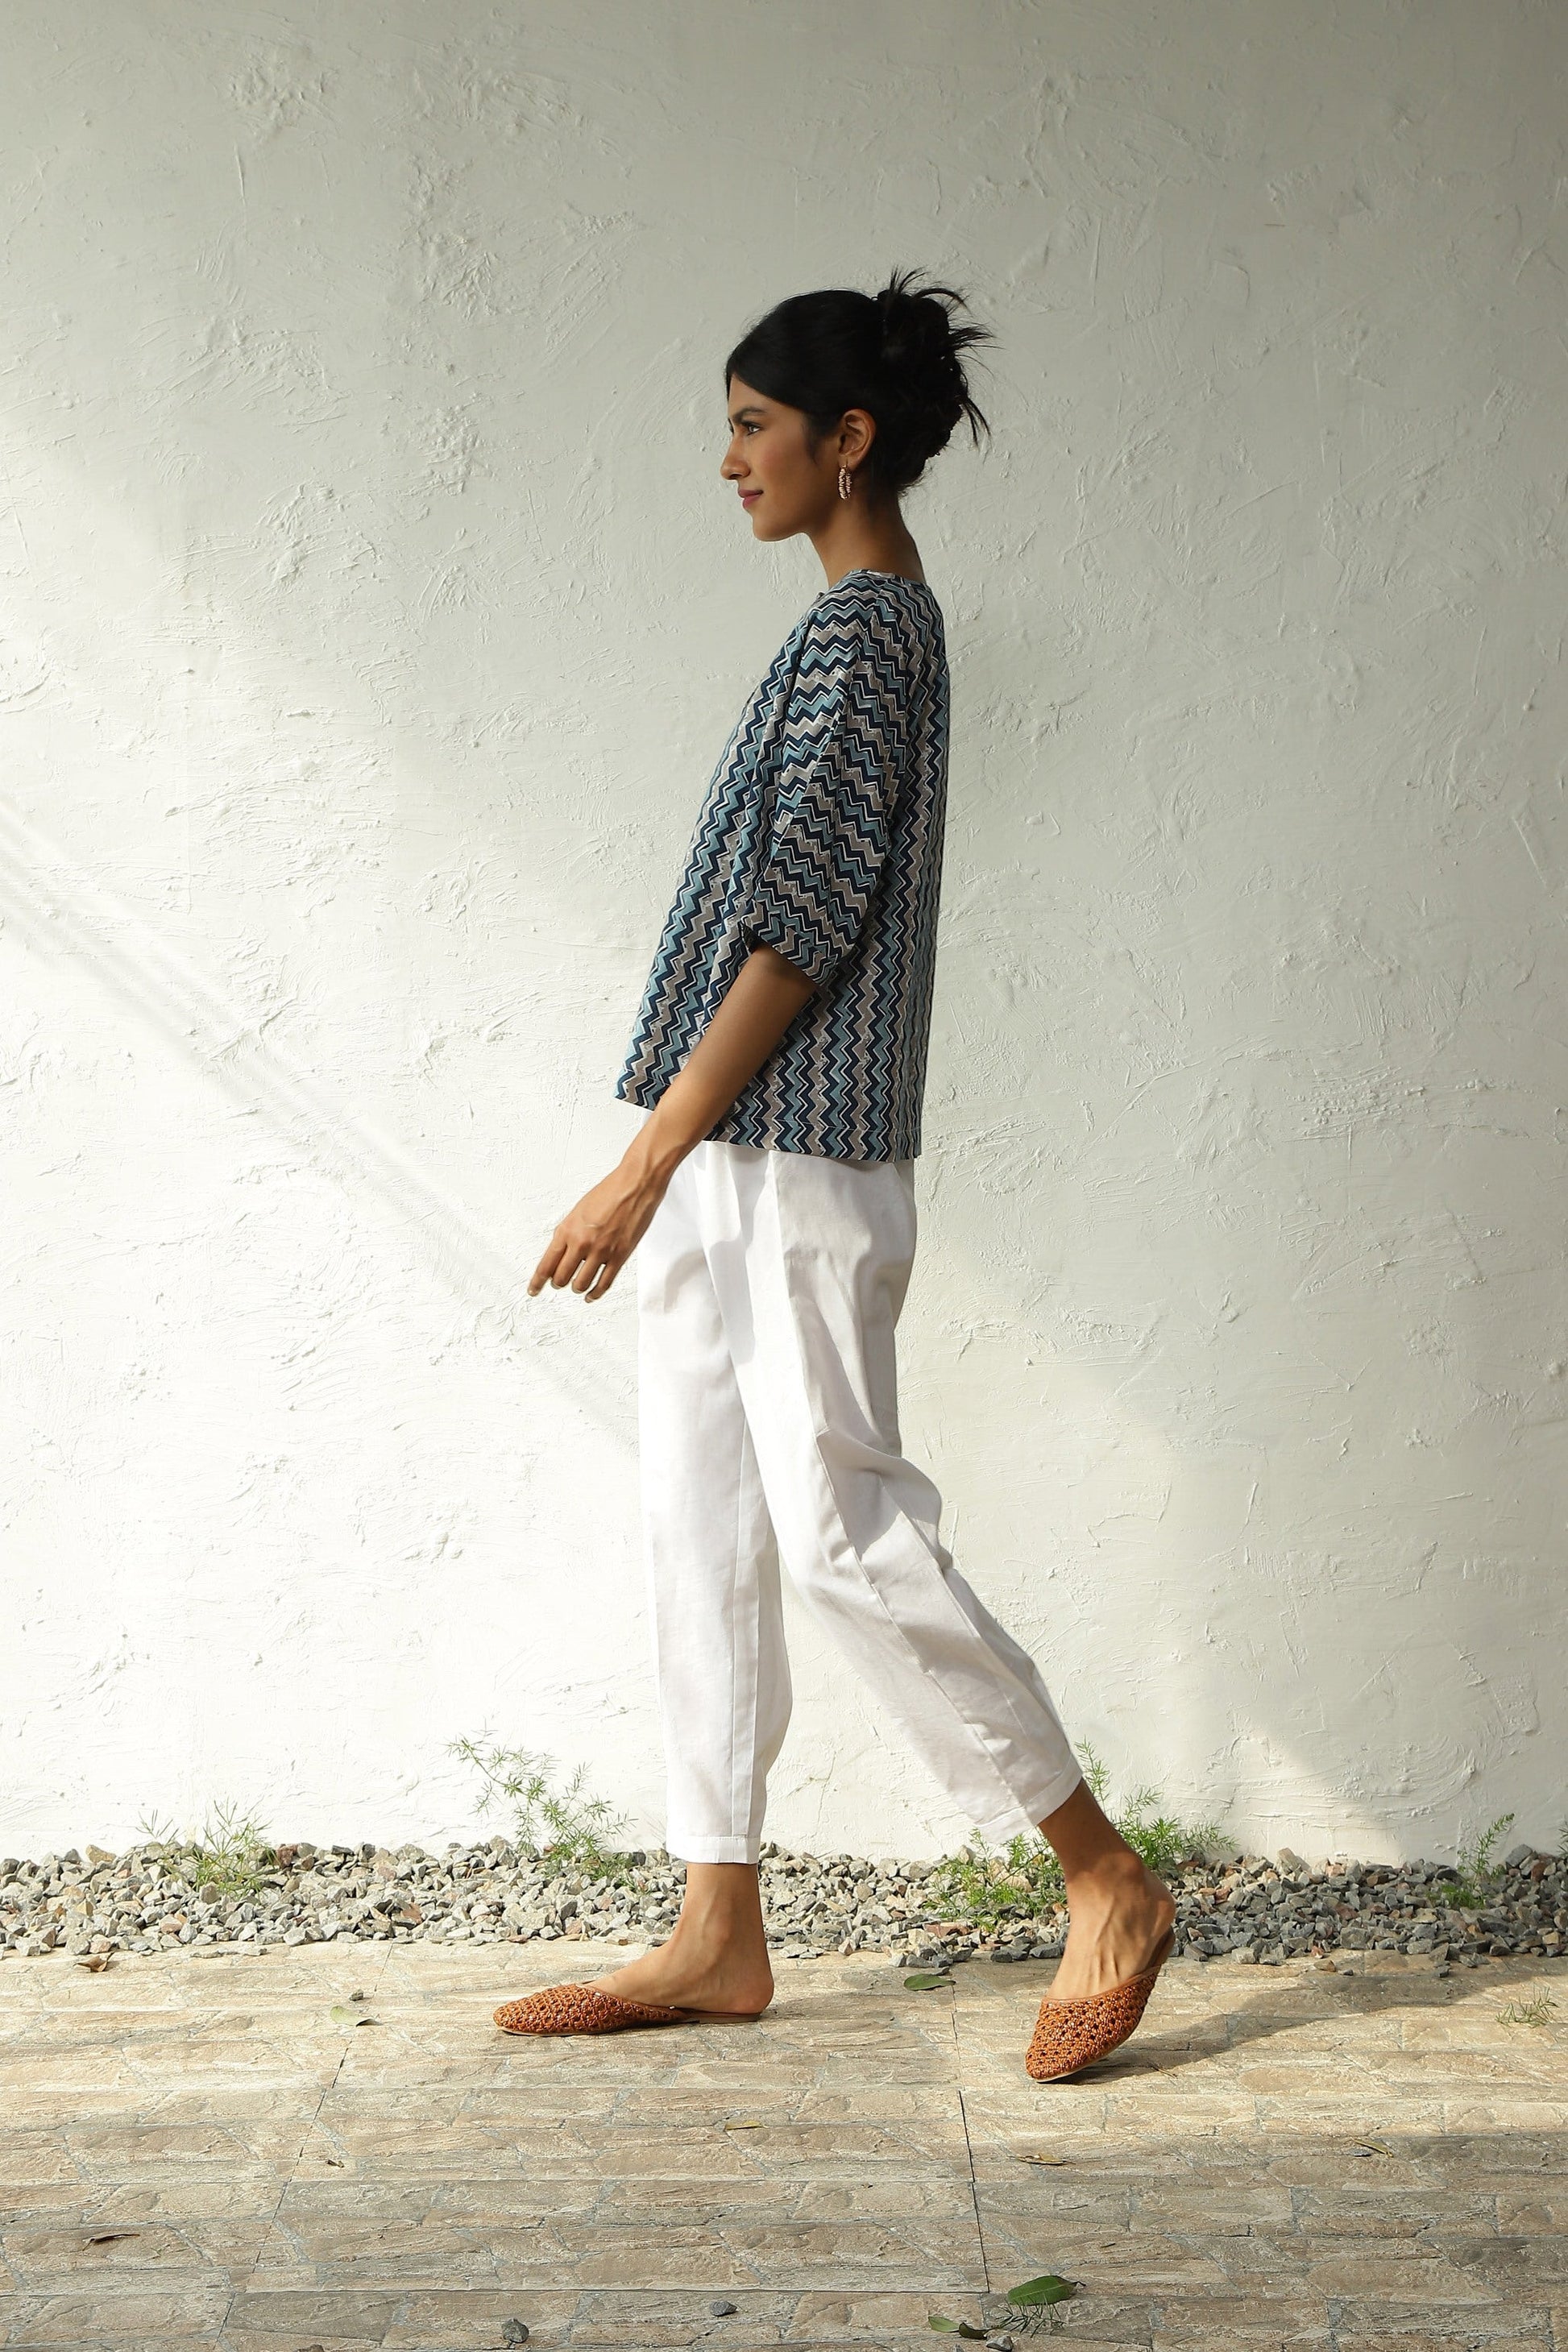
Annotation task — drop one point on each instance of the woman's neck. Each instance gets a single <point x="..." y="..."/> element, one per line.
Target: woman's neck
<point x="868" y="541"/>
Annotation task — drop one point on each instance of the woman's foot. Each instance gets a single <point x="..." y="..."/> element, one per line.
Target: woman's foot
<point x="1120" y="1914"/>
<point x="717" y="1957"/>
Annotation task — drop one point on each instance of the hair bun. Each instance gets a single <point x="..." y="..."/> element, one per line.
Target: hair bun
<point x="914" y="328"/>
<point x="920" y="358"/>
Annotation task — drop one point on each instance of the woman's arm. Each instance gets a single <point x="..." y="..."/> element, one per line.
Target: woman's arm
<point x="594" y="1240"/>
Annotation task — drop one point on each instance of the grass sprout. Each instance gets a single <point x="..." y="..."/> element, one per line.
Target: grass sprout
<point x="1537" y="2010"/>
<point x="229" y="1856"/>
<point x="1477" y="1866"/>
<point x="989" y="1886"/>
<point x="557" y="1824"/>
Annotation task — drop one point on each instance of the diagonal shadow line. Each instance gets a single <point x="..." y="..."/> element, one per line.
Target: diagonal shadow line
<point x="1265" y="2016"/>
<point x="65" y="913"/>
<point x="1274" y="2008"/>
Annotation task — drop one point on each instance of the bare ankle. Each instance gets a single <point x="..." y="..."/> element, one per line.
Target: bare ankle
<point x="1115" y="1872"/>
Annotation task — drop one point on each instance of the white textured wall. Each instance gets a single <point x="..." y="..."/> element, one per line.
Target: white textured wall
<point x="373" y="616"/>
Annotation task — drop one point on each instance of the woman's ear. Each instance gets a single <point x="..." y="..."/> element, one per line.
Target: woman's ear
<point x="857" y="431"/>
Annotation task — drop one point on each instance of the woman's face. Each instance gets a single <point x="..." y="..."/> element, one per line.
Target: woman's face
<point x="783" y="487"/>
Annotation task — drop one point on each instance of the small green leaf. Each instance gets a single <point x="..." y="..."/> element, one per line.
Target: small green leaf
<point x="956" y="2327"/>
<point x="928" y="1982"/>
<point x="343" y="2015"/>
<point x="1037" y="2155"/>
<point x="1049" y="2289"/>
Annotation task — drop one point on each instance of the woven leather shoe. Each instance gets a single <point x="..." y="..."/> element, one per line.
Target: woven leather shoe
<point x="580" y="2009"/>
<point x="1071" y="2034"/>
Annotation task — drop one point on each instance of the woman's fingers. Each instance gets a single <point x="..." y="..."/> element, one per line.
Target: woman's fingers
<point x="576" y="1263"/>
<point x="557" y="1266"/>
<point x="590" y="1245"/>
<point x="605" y="1276"/>
<point x="549" y="1269"/>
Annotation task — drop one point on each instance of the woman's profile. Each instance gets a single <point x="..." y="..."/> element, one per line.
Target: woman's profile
<point x="779" y="1058"/>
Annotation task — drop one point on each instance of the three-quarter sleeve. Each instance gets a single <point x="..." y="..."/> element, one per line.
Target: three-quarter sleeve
<point x="840" y="758"/>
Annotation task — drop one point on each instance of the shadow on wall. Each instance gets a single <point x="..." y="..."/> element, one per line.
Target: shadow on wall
<point x="62" y="912"/>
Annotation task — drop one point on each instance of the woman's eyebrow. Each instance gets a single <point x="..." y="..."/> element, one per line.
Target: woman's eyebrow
<point x="736" y="414"/>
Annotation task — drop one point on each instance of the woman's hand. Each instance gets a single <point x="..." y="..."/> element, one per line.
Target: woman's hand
<point x="594" y="1240"/>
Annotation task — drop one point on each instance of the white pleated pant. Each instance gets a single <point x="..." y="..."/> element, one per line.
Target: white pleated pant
<point x="769" y="1284"/>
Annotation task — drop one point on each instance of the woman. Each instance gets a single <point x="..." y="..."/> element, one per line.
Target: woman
<point x="779" y="1056"/>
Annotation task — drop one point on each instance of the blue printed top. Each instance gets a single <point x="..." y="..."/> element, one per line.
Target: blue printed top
<point x="821" y="835"/>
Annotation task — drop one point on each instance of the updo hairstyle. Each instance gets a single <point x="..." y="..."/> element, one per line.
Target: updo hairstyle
<point x="897" y="354"/>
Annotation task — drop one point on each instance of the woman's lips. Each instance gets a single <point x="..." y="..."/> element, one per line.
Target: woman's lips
<point x="750" y="498"/>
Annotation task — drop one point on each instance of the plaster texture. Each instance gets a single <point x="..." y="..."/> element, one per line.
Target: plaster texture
<point x="373" y="616"/>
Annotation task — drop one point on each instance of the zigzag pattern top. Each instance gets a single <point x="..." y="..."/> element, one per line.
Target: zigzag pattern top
<point x="821" y="835"/>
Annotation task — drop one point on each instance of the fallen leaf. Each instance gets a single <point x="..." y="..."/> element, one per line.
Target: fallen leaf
<point x="956" y="2327"/>
<point x="927" y="1981"/>
<point x="1374" y="2148"/>
<point x="1048" y="2289"/>
<point x="1037" y="2155"/>
<point x="343" y="2015"/>
<point x="335" y="2162"/>
<point x="746" y="2124"/>
<point x="112" y="2237"/>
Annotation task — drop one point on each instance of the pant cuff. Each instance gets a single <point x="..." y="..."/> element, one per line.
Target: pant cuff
<point x="711" y="1848"/>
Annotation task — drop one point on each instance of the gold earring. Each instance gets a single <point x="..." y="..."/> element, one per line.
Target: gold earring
<point x="846" y="481"/>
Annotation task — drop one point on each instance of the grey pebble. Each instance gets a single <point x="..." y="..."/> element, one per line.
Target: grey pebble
<point x="514" y="2331"/>
<point x="1251" y="1911"/>
<point x="720" y="2309"/>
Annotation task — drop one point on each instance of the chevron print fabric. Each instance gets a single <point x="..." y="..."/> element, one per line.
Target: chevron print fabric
<point x="821" y="835"/>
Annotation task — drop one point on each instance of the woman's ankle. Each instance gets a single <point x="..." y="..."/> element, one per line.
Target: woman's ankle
<point x="1112" y="1877"/>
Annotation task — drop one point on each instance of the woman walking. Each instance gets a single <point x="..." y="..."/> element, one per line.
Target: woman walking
<point x="779" y="1056"/>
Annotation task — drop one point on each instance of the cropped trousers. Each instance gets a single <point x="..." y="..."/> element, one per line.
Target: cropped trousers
<point x="769" y="1286"/>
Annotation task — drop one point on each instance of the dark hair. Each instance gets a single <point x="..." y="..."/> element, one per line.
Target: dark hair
<point x="895" y="353"/>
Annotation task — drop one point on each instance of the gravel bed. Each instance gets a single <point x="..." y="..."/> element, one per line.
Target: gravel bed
<point x="1248" y="1909"/>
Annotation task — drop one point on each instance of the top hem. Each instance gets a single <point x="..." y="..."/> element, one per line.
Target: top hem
<point x="764" y="1139"/>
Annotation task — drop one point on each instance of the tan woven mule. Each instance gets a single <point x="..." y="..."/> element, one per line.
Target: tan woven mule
<point x="580" y="2009"/>
<point x="1071" y="2034"/>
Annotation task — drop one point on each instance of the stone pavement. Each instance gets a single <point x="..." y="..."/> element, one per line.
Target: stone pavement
<point x="196" y="2151"/>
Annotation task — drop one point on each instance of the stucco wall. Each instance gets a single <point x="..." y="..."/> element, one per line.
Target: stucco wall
<point x="373" y="616"/>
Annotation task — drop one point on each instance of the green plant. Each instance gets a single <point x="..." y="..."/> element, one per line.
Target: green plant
<point x="230" y="1856"/>
<point x="1477" y="1867"/>
<point x="988" y="1886"/>
<point x="1158" y="1840"/>
<point x="558" y="1824"/>
<point x="1537" y="2011"/>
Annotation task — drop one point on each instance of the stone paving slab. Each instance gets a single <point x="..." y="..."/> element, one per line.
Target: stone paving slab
<point x="197" y="2153"/>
